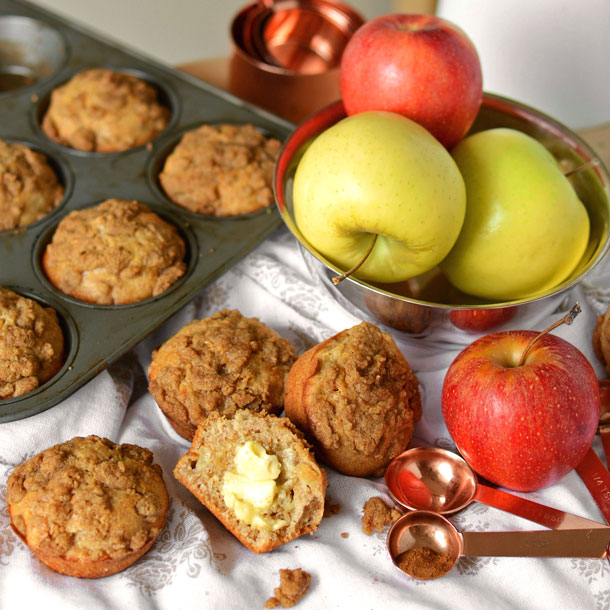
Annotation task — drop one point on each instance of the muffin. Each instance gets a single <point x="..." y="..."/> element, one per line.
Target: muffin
<point x="104" y="111"/>
<point x="114" y="253"/>
<point x="29" y="188"/>
<point x="221" y="170"/>
<point x="601" y="339"/>
<point x="31" y="344"/>
<point x="219" y="364"/>
<point x="88" y="507"/>
<point x="356" y="399"/>
<point x="257" y="475"/>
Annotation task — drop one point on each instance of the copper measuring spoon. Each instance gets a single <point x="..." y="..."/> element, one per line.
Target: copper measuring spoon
<point x="431" y="531"/>
<point x="436" y="480"/>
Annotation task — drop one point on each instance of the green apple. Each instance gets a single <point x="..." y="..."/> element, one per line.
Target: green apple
<point x="379" y="173"/>
<point x="525" y="229"/>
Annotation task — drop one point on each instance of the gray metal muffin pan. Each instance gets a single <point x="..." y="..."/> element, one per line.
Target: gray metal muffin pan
<point x="37" y="44"/>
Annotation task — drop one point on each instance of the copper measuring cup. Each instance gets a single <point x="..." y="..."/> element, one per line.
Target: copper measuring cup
<point x="429" y="530"/>
<point x="307" y="36"/>
<point x="439" y="481"/>
<point x="285" y="54"/>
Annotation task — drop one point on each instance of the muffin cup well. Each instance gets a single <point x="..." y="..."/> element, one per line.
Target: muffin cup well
<point x="30" y="51"/>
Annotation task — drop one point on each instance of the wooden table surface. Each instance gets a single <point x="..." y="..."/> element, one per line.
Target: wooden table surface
<point x="216" y="72"/>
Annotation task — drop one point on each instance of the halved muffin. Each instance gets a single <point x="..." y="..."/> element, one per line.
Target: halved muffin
<point x="257" y="475"/>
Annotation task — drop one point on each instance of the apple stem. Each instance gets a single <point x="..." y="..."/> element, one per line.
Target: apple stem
<point x="567" y="319"/>
<point x="591" y="163"/>
<point x="357" y="266"/>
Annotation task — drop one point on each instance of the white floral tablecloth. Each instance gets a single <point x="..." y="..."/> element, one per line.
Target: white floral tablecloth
<point x="197" y="564"/>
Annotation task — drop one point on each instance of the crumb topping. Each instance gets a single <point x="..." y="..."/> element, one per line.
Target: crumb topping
<point x="31" y="344"/>
<point x="88" y="499"/>
<point x="29" y="188"/>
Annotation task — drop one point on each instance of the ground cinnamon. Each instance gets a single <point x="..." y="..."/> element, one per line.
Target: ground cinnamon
<point x="424" y="562"/>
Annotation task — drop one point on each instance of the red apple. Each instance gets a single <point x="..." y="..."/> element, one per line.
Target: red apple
<point x="521" y="426"/>
<point x="421" y="66"/>
<point x="481" y="320"/>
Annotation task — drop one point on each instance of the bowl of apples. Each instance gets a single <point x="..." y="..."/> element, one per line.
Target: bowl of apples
<point x="435" y="225"/>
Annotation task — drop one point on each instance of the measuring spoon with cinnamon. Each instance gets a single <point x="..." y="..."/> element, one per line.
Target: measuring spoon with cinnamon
<point x="427" y="545"/>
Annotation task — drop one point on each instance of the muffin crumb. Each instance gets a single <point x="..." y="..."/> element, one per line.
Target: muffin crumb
<point x="331" y="509"/>
<point x="293" y="585"/>
<point x="377" y="514"/>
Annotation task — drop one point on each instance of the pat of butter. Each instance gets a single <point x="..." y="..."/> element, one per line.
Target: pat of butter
<point x="252" y="488"/>
<point x="252" y="461"/>
<point x="258" y="493"/>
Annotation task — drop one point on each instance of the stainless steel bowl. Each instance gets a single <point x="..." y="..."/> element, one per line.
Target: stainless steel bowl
<point x="428" y="305"/>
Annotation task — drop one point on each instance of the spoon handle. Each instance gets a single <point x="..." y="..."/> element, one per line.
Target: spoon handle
<point x="532" y="511"/>
<point x="543" y="543"/>
<point x="597" y="479"/>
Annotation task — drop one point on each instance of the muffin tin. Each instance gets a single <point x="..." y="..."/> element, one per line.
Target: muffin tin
<point x="40" y="51"/>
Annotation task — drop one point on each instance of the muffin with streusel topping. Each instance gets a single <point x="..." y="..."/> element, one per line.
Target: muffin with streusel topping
<point x="221" y="170"/>
<point x="356" y="399"/>
<point x="88" y="507"/>
<point x="29" y="188"/>
<point x="114" y="253"/>
<point x="223" y="363"/>
<point x="31" y="344"/>
<point x="99" y="110"/>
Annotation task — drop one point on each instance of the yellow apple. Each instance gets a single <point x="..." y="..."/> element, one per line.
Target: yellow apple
<point x="525" y="229"/>
<point x="379" y="173"/>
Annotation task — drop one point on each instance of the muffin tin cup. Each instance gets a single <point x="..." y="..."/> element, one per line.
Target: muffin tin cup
<point x="30" y="51"/>
<point x="96" y="335"/>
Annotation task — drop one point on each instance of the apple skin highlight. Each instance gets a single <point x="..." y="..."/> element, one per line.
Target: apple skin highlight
<point x="521" y="427"/>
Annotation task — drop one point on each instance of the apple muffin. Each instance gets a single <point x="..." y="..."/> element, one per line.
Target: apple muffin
<point x="31" y="344"/>
<point x="223" y="363"/>
<point x="257" y="475"/>
<point x="114" y="253"/>
<point x="88" y="507"/>
<point x="29" y="188"/>
<point x="221" y="170"/>
<point x="356" y="399"/>
<point x="99" y="110"/>
<point x="601" y="339"/>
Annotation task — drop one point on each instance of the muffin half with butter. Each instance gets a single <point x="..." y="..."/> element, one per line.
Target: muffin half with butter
<point x="257" y="475"/>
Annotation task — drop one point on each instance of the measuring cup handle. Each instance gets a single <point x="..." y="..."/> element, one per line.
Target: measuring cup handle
<point x="532" y="511"/>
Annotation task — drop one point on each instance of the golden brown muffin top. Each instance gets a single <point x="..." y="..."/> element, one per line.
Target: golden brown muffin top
<point x="31" y="344"/>
<point x="101" y="110"/>
<point x="29" y="188"/>
<point x="222" y="363"/>
<point x="114" y="253"/>
<point x="221" y="170"/>
<point x="88" y="499"/>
